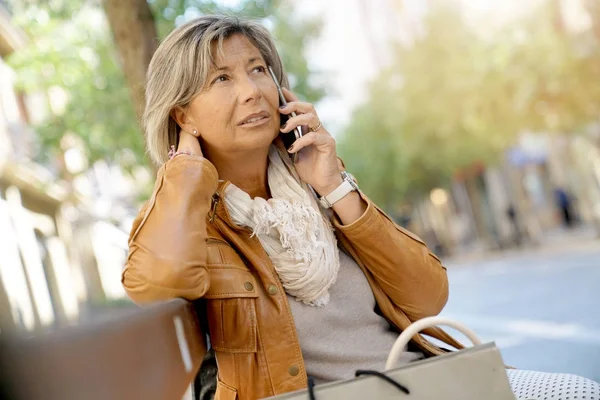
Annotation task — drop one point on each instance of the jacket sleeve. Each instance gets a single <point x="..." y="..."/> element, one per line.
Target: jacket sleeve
<point x="167" y="244"/>
<point x="412" y="277"/>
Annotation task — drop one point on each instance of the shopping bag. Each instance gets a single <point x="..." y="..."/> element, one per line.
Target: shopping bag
<point x="475" y="373"/>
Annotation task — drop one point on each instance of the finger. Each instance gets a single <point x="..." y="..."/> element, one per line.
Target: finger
<point x="299" y="107"/>
<point x="322" y="142"/>
<point x="300" y="120"/>
<point x="289" y="96"/>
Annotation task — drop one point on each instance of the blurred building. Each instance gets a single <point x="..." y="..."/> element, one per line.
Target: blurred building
<point x="59" y="258"/>
<point x="35" y="285"/>
<point x="519" y="201"/>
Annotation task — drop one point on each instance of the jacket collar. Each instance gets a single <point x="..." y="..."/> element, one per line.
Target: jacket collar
<point x="218" y="209"/>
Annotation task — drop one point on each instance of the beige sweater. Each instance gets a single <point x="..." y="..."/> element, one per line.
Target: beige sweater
<point x="346" y="334"/>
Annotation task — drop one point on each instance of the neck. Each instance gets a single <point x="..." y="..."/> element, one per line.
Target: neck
<point x="247" y="172"/>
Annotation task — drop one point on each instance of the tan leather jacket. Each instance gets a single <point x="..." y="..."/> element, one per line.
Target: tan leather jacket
<point x="184" y="244"/>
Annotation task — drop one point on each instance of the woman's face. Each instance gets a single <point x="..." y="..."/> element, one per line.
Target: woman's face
<point x="237" y="110"/>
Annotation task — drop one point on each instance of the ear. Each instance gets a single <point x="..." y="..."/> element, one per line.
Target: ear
<point x="186" y="123"/>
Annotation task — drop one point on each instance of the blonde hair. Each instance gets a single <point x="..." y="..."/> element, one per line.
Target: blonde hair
<point x="180" y="67"/>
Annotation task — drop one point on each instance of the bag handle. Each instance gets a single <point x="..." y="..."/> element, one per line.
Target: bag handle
<point x="418" y="326"/>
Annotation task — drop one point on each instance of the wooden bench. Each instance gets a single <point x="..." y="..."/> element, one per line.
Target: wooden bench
<point x="150" y="353"/>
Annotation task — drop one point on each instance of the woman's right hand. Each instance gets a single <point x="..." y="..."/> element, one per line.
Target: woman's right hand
<point x="189" y="143"/>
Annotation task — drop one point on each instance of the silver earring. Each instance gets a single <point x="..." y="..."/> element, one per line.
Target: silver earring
<point x="195" y="132"/>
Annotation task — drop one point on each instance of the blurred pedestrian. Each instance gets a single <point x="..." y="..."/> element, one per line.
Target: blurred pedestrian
<point x="565" y="206"/>
<point x="511" y="213"/>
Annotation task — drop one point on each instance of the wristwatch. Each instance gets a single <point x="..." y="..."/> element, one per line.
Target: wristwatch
<point x="347" y="186"/>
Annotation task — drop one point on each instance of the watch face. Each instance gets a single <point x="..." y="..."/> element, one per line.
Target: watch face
<point x="350" y="179"/>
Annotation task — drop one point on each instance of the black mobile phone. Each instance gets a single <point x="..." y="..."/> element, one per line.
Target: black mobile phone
<point x="290" y="137"/>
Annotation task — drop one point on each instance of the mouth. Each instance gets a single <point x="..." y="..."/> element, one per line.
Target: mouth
<point x="255" y="119"/>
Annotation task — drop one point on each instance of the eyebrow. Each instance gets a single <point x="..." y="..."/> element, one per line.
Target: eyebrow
<point x="250" y="61"/>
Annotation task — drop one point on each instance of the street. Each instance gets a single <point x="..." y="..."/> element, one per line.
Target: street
<point x="540" y="308"/>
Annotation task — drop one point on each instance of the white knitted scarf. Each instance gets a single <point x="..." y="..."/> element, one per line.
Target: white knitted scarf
<point x="298" y="238"/>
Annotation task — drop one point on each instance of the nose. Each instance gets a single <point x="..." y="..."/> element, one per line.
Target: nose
<point x="248" y="90"/>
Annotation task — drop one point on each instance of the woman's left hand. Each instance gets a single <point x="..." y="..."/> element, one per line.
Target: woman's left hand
<point x="317" y="162"/>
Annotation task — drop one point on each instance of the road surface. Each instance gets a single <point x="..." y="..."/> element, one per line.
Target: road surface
<point x="542" y="309"/>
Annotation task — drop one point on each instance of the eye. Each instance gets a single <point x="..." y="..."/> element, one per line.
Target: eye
<point x="259" y="68"/>
<point x="220" y="78"/>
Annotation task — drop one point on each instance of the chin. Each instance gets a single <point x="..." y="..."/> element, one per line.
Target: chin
<point x="263" y="138"/>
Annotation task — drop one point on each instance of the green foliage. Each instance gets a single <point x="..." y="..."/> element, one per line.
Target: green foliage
<point x="420" y="112"/>
<point x="452" y="97"/>
<point x="72" y="50"/>
<point x="76" y="58"/>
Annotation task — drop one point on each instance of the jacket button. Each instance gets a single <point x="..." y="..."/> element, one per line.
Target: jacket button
<point x="272" y="289"/>
<point x="294" y="370"/>
<point x="248" y="286"/>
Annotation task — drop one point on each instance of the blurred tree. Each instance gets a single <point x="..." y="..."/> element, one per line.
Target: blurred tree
<point x="452" y="97"/>
<point x="72" y="57"/>
<point x="134" y="33"/>
<point x="425" y="113"/>
<point x="551" y="71"/>
<point x="70" y="61"/>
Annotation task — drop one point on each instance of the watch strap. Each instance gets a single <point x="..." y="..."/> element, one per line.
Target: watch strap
<point x="339" y="193"/>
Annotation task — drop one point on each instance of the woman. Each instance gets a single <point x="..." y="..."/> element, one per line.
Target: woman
<point x="291" y="288"/>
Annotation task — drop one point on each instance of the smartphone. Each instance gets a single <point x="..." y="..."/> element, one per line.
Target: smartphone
<point x="290" y="137"/>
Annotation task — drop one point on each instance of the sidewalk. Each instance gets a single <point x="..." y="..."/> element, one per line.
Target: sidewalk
<point x="554" y="242"/>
